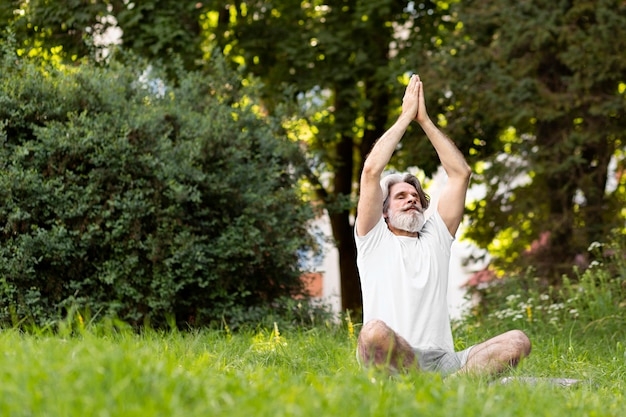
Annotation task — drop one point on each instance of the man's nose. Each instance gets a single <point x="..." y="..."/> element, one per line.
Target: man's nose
<point x="415" y="201"/>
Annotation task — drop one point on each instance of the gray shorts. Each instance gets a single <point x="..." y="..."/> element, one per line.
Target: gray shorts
<point x="441" y="361"/>
<point x="437" y="360"/>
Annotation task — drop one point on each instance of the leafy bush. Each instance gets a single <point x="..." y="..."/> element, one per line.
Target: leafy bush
<point x="134" y="199"/>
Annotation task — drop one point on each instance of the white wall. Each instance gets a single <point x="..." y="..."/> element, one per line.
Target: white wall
<point x="331" y="290"/>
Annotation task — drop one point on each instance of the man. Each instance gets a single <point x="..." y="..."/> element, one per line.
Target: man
<point x="403" y="260"/>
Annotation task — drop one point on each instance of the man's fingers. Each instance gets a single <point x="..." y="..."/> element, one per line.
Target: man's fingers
<point x="413" y="88"/>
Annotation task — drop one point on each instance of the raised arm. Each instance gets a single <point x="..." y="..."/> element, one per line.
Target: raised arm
<point x="370" y="206"/>
<point x="452" y="198"/>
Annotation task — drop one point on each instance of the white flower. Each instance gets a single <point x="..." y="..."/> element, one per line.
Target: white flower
<point x="556" y="307"/>
<point x="594" y="245"/>
<point x="512" y="297"/>
<point x="594" y="263"/>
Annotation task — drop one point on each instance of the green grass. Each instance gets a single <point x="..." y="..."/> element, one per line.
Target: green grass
<point x="115" y="372"/>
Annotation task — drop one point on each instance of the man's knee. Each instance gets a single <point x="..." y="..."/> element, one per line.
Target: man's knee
<point x="520" y="345"/>
<point x="375" y="332"/>
<point x="519" y="338"/>
<point x="379" y="344"/>
<point x="375" y="340"/>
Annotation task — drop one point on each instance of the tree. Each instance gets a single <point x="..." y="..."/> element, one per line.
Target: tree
<point x="41" y="25"/>
<point x="153" y="29"/>
<point x="539" y="87"/>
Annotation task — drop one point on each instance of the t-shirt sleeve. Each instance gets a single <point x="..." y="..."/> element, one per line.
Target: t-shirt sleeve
<point x="440" y="231"/>
<point x="366" y="242"/>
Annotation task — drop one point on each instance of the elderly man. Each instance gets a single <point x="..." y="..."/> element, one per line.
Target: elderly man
<point x="403" y="260"/>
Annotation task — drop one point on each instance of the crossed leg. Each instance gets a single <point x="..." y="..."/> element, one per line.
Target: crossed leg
<point x="381" y="346"/>
<point x="498" y="353"/>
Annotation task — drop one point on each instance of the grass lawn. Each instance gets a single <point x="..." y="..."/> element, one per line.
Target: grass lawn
<point x="116" y="372"/>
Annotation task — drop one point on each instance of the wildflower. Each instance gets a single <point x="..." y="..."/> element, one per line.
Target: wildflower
<point x="594" y="245"/>
<point x="544" y="297"/>
<point x="276" y="334"/>
<point x="261" y="344"/>
<point x="350" y="327"/>
<point x="229" y="335"/>
<point x="529" y="314"/>
<point x="512" y="297"/>
<point x="594" y="263"/>
<point x="556" y="307"/>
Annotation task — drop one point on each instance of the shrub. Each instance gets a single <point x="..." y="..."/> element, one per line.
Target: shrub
<point x="595" y="299"/>
<point x="134" y="199"/>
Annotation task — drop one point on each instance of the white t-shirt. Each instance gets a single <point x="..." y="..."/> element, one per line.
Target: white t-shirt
<point x="404" y="281"/>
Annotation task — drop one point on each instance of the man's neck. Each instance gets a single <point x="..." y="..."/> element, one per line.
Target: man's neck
<point x="400" y="232"/>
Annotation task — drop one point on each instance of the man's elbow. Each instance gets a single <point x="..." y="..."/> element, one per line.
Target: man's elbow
<point x="371" y="171"/>
<point x="463" y="172"/>
<point x="467" y="172"/>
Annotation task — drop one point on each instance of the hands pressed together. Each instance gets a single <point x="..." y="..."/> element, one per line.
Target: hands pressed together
<point x="413" y="103"/>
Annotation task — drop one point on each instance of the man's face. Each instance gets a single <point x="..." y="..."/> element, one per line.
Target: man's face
<point x="405" y="210"/>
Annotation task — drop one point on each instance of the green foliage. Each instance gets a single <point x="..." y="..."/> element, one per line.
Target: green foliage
<point x="593" y="302"/>
<point x="158" y="29"/>
<point x="343" y="60"/>
<point x="538" y="88"/>
<point x="75" y="29"/>
<point x="131" y="198"/>
<point x="66" y="25"/>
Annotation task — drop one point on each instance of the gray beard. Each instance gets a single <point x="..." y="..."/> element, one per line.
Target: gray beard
<point x="411" y="222"/>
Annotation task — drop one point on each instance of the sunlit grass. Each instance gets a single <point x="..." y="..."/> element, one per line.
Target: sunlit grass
<point x="291" y="372"/>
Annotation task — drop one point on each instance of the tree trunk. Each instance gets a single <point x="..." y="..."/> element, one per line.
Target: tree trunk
<point x="343" y="230"/>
